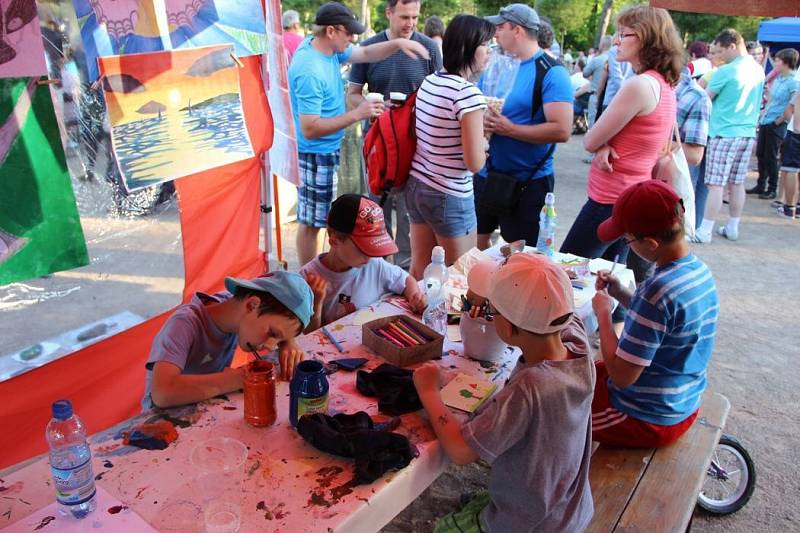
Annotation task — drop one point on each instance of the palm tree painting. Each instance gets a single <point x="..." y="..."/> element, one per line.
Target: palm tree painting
<point x="174" y="114"/>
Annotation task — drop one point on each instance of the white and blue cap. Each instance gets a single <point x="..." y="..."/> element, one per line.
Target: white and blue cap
<point x="288" y="288"/>
<point x="519" y="14"/>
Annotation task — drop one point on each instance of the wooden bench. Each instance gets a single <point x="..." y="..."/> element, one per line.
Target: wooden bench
<point x="656" y="490"/>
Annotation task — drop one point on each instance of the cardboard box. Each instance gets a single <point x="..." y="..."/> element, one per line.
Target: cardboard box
<point x="395" y="354"/>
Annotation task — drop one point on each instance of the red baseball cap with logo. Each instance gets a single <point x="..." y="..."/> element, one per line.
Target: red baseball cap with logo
<point x="362" y="219"/>
<point x="645" y="209"/>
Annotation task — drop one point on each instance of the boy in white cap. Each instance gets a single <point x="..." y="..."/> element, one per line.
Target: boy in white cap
<point x="191" y="356"/>
<point x="535" y="432"/>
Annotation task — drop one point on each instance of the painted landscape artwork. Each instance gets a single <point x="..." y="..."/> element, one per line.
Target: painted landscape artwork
<point x="174" y="113"/>
<point x="195" y="23"/>
<point x="21" y="47"/>
<point x="40" y="231"/>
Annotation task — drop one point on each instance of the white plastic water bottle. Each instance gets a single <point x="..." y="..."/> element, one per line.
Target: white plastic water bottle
<point x="70" y="462"/>
<point x="546" y="243"/>
<point x="435" y="278"/>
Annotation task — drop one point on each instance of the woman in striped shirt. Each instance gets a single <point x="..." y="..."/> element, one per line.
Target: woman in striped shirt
<point x="450" y="146"/>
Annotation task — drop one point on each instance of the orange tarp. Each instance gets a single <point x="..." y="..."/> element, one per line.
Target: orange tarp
<point x="220" y="229"/>
<point x="748" y="8"/>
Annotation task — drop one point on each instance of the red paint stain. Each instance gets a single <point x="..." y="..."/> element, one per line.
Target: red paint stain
<point x="46" y="520"/>
<point x="229" y="408"/>
<point x="117" y="509"/>
<point x="141" y="490"/>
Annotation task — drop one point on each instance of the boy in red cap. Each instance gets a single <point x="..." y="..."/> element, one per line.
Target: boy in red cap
<point x="651" y="379"/>
<point x="353" y="274"/>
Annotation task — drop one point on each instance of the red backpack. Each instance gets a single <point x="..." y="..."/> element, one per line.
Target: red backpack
<point x="389" y="147"/>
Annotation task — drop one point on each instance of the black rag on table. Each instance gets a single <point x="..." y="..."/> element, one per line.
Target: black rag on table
<point x="352" y="435"/>
<point x="394" y="387"/>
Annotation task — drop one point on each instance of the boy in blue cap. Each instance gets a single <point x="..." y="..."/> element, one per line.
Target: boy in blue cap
<point x="191" y="355"/>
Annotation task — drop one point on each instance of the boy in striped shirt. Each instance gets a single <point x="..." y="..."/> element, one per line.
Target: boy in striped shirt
<point x="650" y="380"/>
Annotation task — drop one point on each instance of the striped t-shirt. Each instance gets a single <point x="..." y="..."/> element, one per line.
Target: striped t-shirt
<point x="442" y="101"/>
<point x="669" y="329"/>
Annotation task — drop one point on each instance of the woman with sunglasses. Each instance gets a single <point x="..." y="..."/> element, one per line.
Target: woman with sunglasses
<point x="629" y="136"/>
<point x="450" y="146"/>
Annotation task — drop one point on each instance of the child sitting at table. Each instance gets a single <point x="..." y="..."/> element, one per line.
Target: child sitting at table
<point x="650" y="381"/>
<point x="535" y="432"/>
<point x="353" y="274"/>
<point x="191" y="355"/>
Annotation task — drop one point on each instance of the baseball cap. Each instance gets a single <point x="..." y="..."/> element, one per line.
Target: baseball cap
<point x="645" y="208"/>
<point x="288" y="288"/>
<point x="700" y="67"/>
<point x="519" y="14"/>
<point x="532" y="293"/>
<point x="334" y="13"/>
<point x="362" y="219"/>
<point x="479" y="277"/>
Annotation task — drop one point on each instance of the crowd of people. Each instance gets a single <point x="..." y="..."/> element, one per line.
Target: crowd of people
<point x="479" y="168"/>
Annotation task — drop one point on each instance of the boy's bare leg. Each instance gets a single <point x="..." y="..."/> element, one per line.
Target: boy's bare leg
<point x="309" y="243"/>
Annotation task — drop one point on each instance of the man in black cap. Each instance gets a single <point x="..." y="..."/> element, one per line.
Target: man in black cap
<point x="318" y="104"/>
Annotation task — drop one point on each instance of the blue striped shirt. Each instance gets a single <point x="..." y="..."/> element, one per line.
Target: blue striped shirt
<point x="669" y="330"/>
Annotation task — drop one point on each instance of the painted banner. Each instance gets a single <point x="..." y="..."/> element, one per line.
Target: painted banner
<point x="21" y="47"/>
<point x="119" y="27"/>
<point x="174" y="113"/>
<point x="40" y="231"/>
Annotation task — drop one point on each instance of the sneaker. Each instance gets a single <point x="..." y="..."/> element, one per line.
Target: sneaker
<point x="776" y="204"/>
<point x="699" y="238"/>
<point x="755" y="190"/>
<point x="587" y="160"/>
<point x="769" y="195"/>
<point x="787" y="212"/>
<point x="729" y="234"/>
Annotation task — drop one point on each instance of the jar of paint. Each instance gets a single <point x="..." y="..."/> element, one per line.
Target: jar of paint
<point x="308" y="391"/>
<point x="259" y="394"/>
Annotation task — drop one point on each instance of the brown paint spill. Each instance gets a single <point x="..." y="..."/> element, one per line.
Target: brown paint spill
<point x="327" y="473"/>
<point x="46" y="520"/>
<point x="141" y="490"/>
<point x="276" y="513"/>
<point x="108" y="464"/>
<point x="13" y="489"/>
<point x="229" y="408"/>
<point x="117" y="509"/>
<point x="337" y="493"/>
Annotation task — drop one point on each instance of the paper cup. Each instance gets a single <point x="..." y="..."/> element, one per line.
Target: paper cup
<point x="374" y="97"/>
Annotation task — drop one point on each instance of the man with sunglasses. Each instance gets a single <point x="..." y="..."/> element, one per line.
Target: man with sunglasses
<point x="316" y="88"/>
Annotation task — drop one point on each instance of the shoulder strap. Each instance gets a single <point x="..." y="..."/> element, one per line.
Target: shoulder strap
<point x="543" y="64"/>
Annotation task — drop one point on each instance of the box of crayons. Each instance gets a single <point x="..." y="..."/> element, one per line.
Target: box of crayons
<point x="401" y="340"/>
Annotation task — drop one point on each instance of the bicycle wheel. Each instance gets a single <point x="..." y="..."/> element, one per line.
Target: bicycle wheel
<point x="730" y="480"/>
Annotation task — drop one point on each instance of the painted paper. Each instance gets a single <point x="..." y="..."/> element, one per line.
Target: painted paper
<point x="120" y="27"/>
<point x="194" y="23"/>
<point x="40" y="230"/>
<point x="21" y="47"/>
<point x="174" y="113"/>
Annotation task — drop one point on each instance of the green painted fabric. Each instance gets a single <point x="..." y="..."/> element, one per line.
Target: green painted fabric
<point x="467" y="520"/>
<point x="40" y="230"/>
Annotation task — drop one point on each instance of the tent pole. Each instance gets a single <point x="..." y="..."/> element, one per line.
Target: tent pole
<point x="266" y="206"/>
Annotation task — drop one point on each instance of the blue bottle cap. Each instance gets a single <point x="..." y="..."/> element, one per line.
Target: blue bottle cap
<point x="62" y="409"/>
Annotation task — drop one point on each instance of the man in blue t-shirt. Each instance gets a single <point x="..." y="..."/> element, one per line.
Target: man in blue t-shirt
<point x="521" y="140"/>
<point x="316" y="88"/>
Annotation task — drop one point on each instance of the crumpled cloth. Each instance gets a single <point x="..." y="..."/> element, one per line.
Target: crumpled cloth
<point x="393" y="386"/>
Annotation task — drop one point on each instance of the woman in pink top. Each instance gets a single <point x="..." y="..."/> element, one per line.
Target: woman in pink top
<point x="631" y="133"/>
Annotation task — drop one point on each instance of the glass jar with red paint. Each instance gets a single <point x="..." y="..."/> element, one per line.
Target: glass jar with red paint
<point x="259" y="394"/>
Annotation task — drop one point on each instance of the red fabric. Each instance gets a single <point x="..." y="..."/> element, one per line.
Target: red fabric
<point x="614" y="428"/>
<point x="220" y="219"/>
<point x="389" y="147"/>
<point x="750" y="8"/>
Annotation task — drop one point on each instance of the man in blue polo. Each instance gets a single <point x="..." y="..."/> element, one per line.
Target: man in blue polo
<point x="316" y="88"/>
<point x="522" y="141"/>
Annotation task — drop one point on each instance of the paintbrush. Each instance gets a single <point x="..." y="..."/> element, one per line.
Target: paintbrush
<point x="255" y="352"/>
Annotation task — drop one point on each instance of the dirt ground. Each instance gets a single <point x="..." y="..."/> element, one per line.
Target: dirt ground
<point x="136" y="266"/>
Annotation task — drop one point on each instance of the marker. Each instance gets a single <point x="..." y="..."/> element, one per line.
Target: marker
<point x="395" y="330"/>
<point x="408" y="331"/>
<point x="332" y="339"/>
<point x="387" y="337"/>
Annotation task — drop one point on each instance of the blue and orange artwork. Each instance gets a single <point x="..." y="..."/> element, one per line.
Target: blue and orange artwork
<point x="174" y="114"/>
<point x="118" y="27"/>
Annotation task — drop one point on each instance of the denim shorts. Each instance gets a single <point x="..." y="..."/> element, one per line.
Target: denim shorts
<point x="447" y="215"/>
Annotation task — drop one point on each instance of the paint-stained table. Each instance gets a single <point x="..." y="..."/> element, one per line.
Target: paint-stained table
<point x="288" y="486"/>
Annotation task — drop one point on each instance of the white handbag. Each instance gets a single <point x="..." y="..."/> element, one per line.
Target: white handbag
<point x="672" y="168"/>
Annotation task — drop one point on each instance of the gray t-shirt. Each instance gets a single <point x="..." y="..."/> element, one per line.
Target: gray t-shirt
<point x="536" y="435"/>
<point x="190" y="340"/>
<point x="398" y="72"/>
<point x="357" y="287"/>
<point x="594" y="69"/>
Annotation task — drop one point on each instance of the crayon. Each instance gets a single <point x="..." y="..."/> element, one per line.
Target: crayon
<point x="386" y="337"/>
<point x="395" y="329"/>
<point x="394" y="337"/>
<point x="332" y="339"/>
<point x="408" y="331"/>
<point x="416" y="330"/>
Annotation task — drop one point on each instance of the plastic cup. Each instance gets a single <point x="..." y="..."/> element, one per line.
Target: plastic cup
<point x="219" y="465"/>
<point x="480" y="339"/>
<point x="374" y="97"/>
